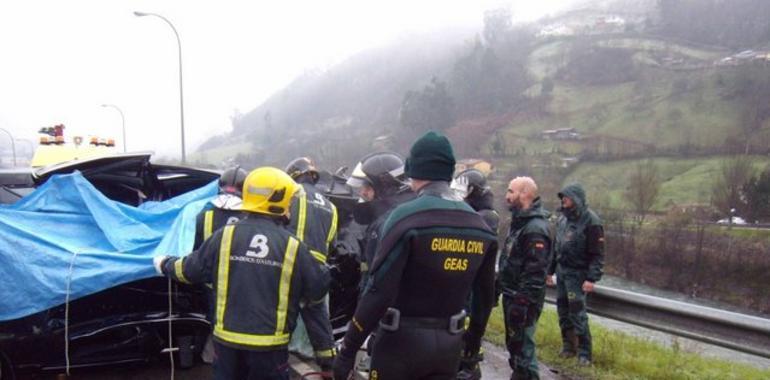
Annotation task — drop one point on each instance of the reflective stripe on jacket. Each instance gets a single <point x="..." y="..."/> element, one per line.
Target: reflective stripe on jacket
<point x="260" y="272"/>
<point x="314" y="221"/>
<point x="208" y="221"/>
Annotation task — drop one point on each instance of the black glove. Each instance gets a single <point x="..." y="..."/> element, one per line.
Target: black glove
<point x="518" y="312"/>
<point x="343" y="248"/>
<point x="343" y="365"/>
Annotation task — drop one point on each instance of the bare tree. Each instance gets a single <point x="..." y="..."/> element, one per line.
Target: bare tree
<point x="643" y="189"/>
<point x="726" y="191"/>
<point x="497" y="22"/>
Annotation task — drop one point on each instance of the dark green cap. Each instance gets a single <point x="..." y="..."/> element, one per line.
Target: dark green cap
<point x="431" y="158"/>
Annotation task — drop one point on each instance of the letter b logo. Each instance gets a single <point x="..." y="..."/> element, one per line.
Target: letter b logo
<point x="259" y="248"/>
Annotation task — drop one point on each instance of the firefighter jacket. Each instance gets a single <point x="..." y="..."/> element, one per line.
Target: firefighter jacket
<point x="373" y="214"/>
<point x="483" y="205"/>
<point x="260" y="273"/>
<point x="579" y="242"/>
<point x="527" y="254"/>
<point x="433" y="251"/>
<point x="208" y="221"/>
<point x="313" y="219"/>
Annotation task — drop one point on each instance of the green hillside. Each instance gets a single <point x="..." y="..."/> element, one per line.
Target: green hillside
<point x="684" y="181"/>
<point x="679" y="106"/>
<point x="671" y="102"/>
<point x="585" y="104"/>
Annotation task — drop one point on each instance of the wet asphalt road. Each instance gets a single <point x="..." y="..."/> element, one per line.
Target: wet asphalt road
<point x="495" y="367"/>
<point x="149" y="371"/>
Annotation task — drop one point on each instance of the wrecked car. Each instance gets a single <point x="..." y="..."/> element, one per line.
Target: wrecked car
<point x="129" y="323"/>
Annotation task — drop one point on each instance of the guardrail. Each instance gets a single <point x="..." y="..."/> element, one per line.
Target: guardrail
<point x="723" y="328"/>
<point x="739" y="332"/>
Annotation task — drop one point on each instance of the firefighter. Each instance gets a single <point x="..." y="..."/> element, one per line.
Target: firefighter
<point x="314" y="222"/>
<point x="471" y="185"/>
<point x="226" y="206"/>
<point x="432" y="251"/>
<point x="226" y="209"/>
<point x="260" y="274"/>
<point x="523" y="269"/>
<point x="379" y="180"/>
<point x="578" y="265"/>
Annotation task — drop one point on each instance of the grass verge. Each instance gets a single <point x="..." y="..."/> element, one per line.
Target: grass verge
<point x="622" y="356"/>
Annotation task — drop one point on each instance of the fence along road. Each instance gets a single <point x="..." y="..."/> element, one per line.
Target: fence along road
<point x="740" y="332"/>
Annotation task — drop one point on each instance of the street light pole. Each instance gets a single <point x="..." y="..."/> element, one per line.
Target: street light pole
<point x="123" y="120"/>
<point x="181" y="94"/>
<point x="30" y="146"/>
<point x="13" y="146"/>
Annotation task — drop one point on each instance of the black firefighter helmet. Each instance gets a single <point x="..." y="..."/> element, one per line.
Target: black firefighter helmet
<point x="475" y="181"/>
<point x="302" y="167"/>
<point x="382" y="171"/>
<point x="231" y="181"/>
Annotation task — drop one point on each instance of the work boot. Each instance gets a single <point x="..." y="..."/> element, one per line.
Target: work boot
<point x="469" y="367"/>
<point x="569" y="343"/>
<point x="469" y="374"/>
<point x="517" y="375"/>
<point x="584" y="350"/>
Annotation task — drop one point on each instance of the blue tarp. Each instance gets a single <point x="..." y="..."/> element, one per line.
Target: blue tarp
<point x="115" y="243"/>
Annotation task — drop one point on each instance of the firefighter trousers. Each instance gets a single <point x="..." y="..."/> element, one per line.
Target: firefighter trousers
<point x="237" y="364"/>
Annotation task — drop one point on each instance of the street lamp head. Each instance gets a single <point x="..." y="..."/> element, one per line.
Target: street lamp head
<point x="140" y="14"/>
<point x="105" y="105"/>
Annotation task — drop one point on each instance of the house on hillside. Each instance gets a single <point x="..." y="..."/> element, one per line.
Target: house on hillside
<point x="569" y="161"/>
<point x="609" y="24"/>
<point x="383" y="142"/>
<point x="556" y="30"/>
<point x="560" y="134"/>
<point x="745" y="55"/>
<point x="762" y="57"/>
<point x="474" y="163"/>
<point x="583" y="22"/>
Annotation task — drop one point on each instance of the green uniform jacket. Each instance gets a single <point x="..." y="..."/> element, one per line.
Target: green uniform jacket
<point x="433" y="251"/>
<point x="579" y="243"/>
<point x="260" y="272"/>
<point x="524" y="262"/>
<point x="313" y="219"/>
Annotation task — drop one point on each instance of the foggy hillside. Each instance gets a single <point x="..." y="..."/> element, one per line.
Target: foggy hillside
<point x="635" y="79"/>
<point x="360" y="97"/>
<point x="658" y="108"/>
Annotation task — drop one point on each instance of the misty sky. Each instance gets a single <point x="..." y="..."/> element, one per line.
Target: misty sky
<point x="60" y="60"/>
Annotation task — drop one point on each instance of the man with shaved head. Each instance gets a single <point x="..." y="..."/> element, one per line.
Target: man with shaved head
<point x="523" y="266"/>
